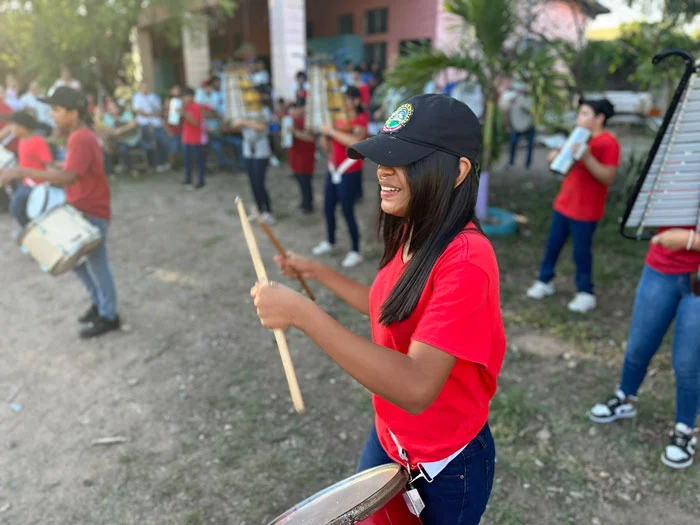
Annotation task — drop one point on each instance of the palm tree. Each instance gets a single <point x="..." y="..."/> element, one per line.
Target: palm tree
<point x="484" y="56"/>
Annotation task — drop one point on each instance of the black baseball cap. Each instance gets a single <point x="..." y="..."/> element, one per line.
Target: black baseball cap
<point x="68" y="98"/>
<point x="423" y="124"/>
<point x="22" y="118"/>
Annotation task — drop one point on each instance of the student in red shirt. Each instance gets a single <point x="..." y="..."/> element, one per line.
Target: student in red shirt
<point x="87" y="189"/>
<point x="193" y="133"/>
<point x="580" y="205"/>
<point x="302" y="156"/>
<point x="363" y="88"/>
<point x="437" y="335"/>
<point x="344" y="179"/>
<point x="33" y="153"/>
<point x="668" y="290"/>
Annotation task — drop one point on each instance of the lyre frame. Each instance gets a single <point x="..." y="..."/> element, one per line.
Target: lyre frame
<point x="690" y="68"/>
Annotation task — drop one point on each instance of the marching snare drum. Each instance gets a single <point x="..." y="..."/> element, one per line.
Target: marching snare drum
<point x="566" y="158"/>
<point x="59" y="239"/>
<point x="372" y="497"/>
<point x="43" y="198"/>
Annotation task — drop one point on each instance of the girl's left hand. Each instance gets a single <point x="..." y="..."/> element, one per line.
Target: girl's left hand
<point x="673" y="239"/>
<point x="278" y="307"/>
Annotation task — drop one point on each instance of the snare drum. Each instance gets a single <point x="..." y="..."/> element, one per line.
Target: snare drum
<point x="59" y="239"/>
<point x="372" y="497"/>
<point x="43" y="198"/>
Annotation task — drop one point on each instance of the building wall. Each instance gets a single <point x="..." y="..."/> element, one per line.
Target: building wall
<point x="407" y="20"/>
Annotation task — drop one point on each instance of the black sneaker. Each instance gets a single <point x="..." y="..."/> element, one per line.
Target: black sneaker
<point x="199" y="186"/>
<point x="680" y="452"/>
<point x="616" y="407"/>
<point x="90" y="316"/>
<point x="99" y="327"/>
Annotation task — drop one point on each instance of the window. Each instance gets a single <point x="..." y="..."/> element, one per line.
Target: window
<point x="376" y="53"/>
<point x="309" y="30"/>
<point x="345" y="24"/>
<point x="405" y="45"/>
<point x="376" y="21"/>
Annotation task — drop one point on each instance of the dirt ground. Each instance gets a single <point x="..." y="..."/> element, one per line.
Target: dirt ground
<point x="197" y="389"/>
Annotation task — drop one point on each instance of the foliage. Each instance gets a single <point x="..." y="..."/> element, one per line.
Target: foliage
<point x="91" y="37"/>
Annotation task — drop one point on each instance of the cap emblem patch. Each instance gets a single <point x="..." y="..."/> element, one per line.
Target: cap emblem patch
<point x="398" y="118"/>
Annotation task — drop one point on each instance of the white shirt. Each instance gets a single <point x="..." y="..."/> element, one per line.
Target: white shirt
<point x="260" y="78"/>
<point x="42" y="111"/>
<point x="256" y="144"/>
<point x="148" y="104"/>
<point x="73" y="83"/>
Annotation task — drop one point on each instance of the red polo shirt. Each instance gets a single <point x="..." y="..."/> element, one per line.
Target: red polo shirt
<point x="192" y="134"/>
<point x="582" y="197"/>
<point x="340" y="152"/>
<point x="90" y="193"/>
<point x="459" y="313"/>
<point x="34" y="154"/>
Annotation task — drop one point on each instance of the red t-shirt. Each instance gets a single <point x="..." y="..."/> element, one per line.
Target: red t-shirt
<point x="193" y="134"/>
<point x="582" y="197"/>
<point x="340" y="152"/>
<point x="459" y="312"/>
<point x="90" y="193"/>
<point x="34" y="154"/>
<point x="7" y="110"/>
<point x="365" y="95"/>
<point x="301" y="154"/>
<point x="673" y="262"/>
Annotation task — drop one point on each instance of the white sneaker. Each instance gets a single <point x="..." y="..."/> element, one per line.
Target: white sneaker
<point x="540" y="290"/>
<point x="680" y="452"/>
<point x="583" y="302"/>
<point x="253" y="217"/>
<point x="268" y="218"/>
<point x="322" y="248"/>
<point x="618" y="406"/>
<point x="162" y="168"/>
<point x="352" y="259"/>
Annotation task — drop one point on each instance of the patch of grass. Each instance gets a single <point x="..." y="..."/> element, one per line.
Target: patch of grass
<point x="511" y="412"/>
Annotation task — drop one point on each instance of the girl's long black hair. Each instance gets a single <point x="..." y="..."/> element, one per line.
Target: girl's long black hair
<point x="437" y="213"/>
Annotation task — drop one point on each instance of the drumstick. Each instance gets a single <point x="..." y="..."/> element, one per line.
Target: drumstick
<point x="279" y="334"/>
<point x="280" y="249"/>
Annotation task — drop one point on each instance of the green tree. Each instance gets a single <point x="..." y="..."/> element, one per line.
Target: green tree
<point x="91" y="37"/>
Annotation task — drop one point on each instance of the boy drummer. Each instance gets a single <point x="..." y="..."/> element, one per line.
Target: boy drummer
<point x="87" y="190"/>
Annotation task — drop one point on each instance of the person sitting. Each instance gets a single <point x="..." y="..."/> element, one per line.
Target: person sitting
<point x="121" y="134"/>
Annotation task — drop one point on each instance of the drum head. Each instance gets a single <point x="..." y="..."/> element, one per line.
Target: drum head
<point x="349" y="501"/>
<point x="36" y="203"/>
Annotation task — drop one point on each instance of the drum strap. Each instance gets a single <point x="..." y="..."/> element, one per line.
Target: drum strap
<point x="427" y="471"/>
<point x="337" y="174"/>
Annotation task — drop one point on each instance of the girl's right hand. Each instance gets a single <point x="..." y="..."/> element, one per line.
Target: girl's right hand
<point x="294" y="265"/>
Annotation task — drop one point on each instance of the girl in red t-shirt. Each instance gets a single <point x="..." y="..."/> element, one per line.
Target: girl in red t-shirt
<point x="668" y="290"/>
<point x="344" y="179"/>
<point x="437" y="335"/>
<point x="302" y="156"/>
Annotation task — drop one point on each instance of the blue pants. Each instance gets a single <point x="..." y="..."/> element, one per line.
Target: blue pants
<point x="515" y="138"/>
<point x="217" y="143"/>
<point x="307" y="197"/>
<point x="18" y="204"/>
<point x="176" y="145"/>
<point x="96" y="275"/>
<point x="257" y="169"/>
<point x="194" y="154"/>
<point x="346" y="193"/>
<point x="660" y="299"/>
<point x="582" y="236"/>
<point x="459" y="494"/>
<point x="157" y="139"/>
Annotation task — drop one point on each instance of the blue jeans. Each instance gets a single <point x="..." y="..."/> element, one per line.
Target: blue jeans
<point x="515" y="138"/>
<point x="257" y="169"/>
<point x="217" y="143"/>
<point x="157" y="139"/>
<point x="346" y="193"/>
<point x="582" y="236"/>
<point x="96" y="275"/>
<point x="459" y="494"/>
<point x="660" y="299"/>
<point x="176" y="144"/>
<point x="194" y="154"/>
<point x="18" y="204"/>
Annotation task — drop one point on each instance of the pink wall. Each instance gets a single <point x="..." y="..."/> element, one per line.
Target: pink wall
<point x="560" y="19"/>
<point x="407" y="20"/>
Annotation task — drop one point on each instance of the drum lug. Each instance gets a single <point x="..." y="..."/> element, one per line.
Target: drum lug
<point x="24" y="250"/>
<point x="44" y="268"/>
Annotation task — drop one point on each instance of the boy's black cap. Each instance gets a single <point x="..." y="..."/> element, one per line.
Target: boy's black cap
<point x="68" y="98"/>
<point x="22" y="118"/>
<point x="423" y="124"/>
